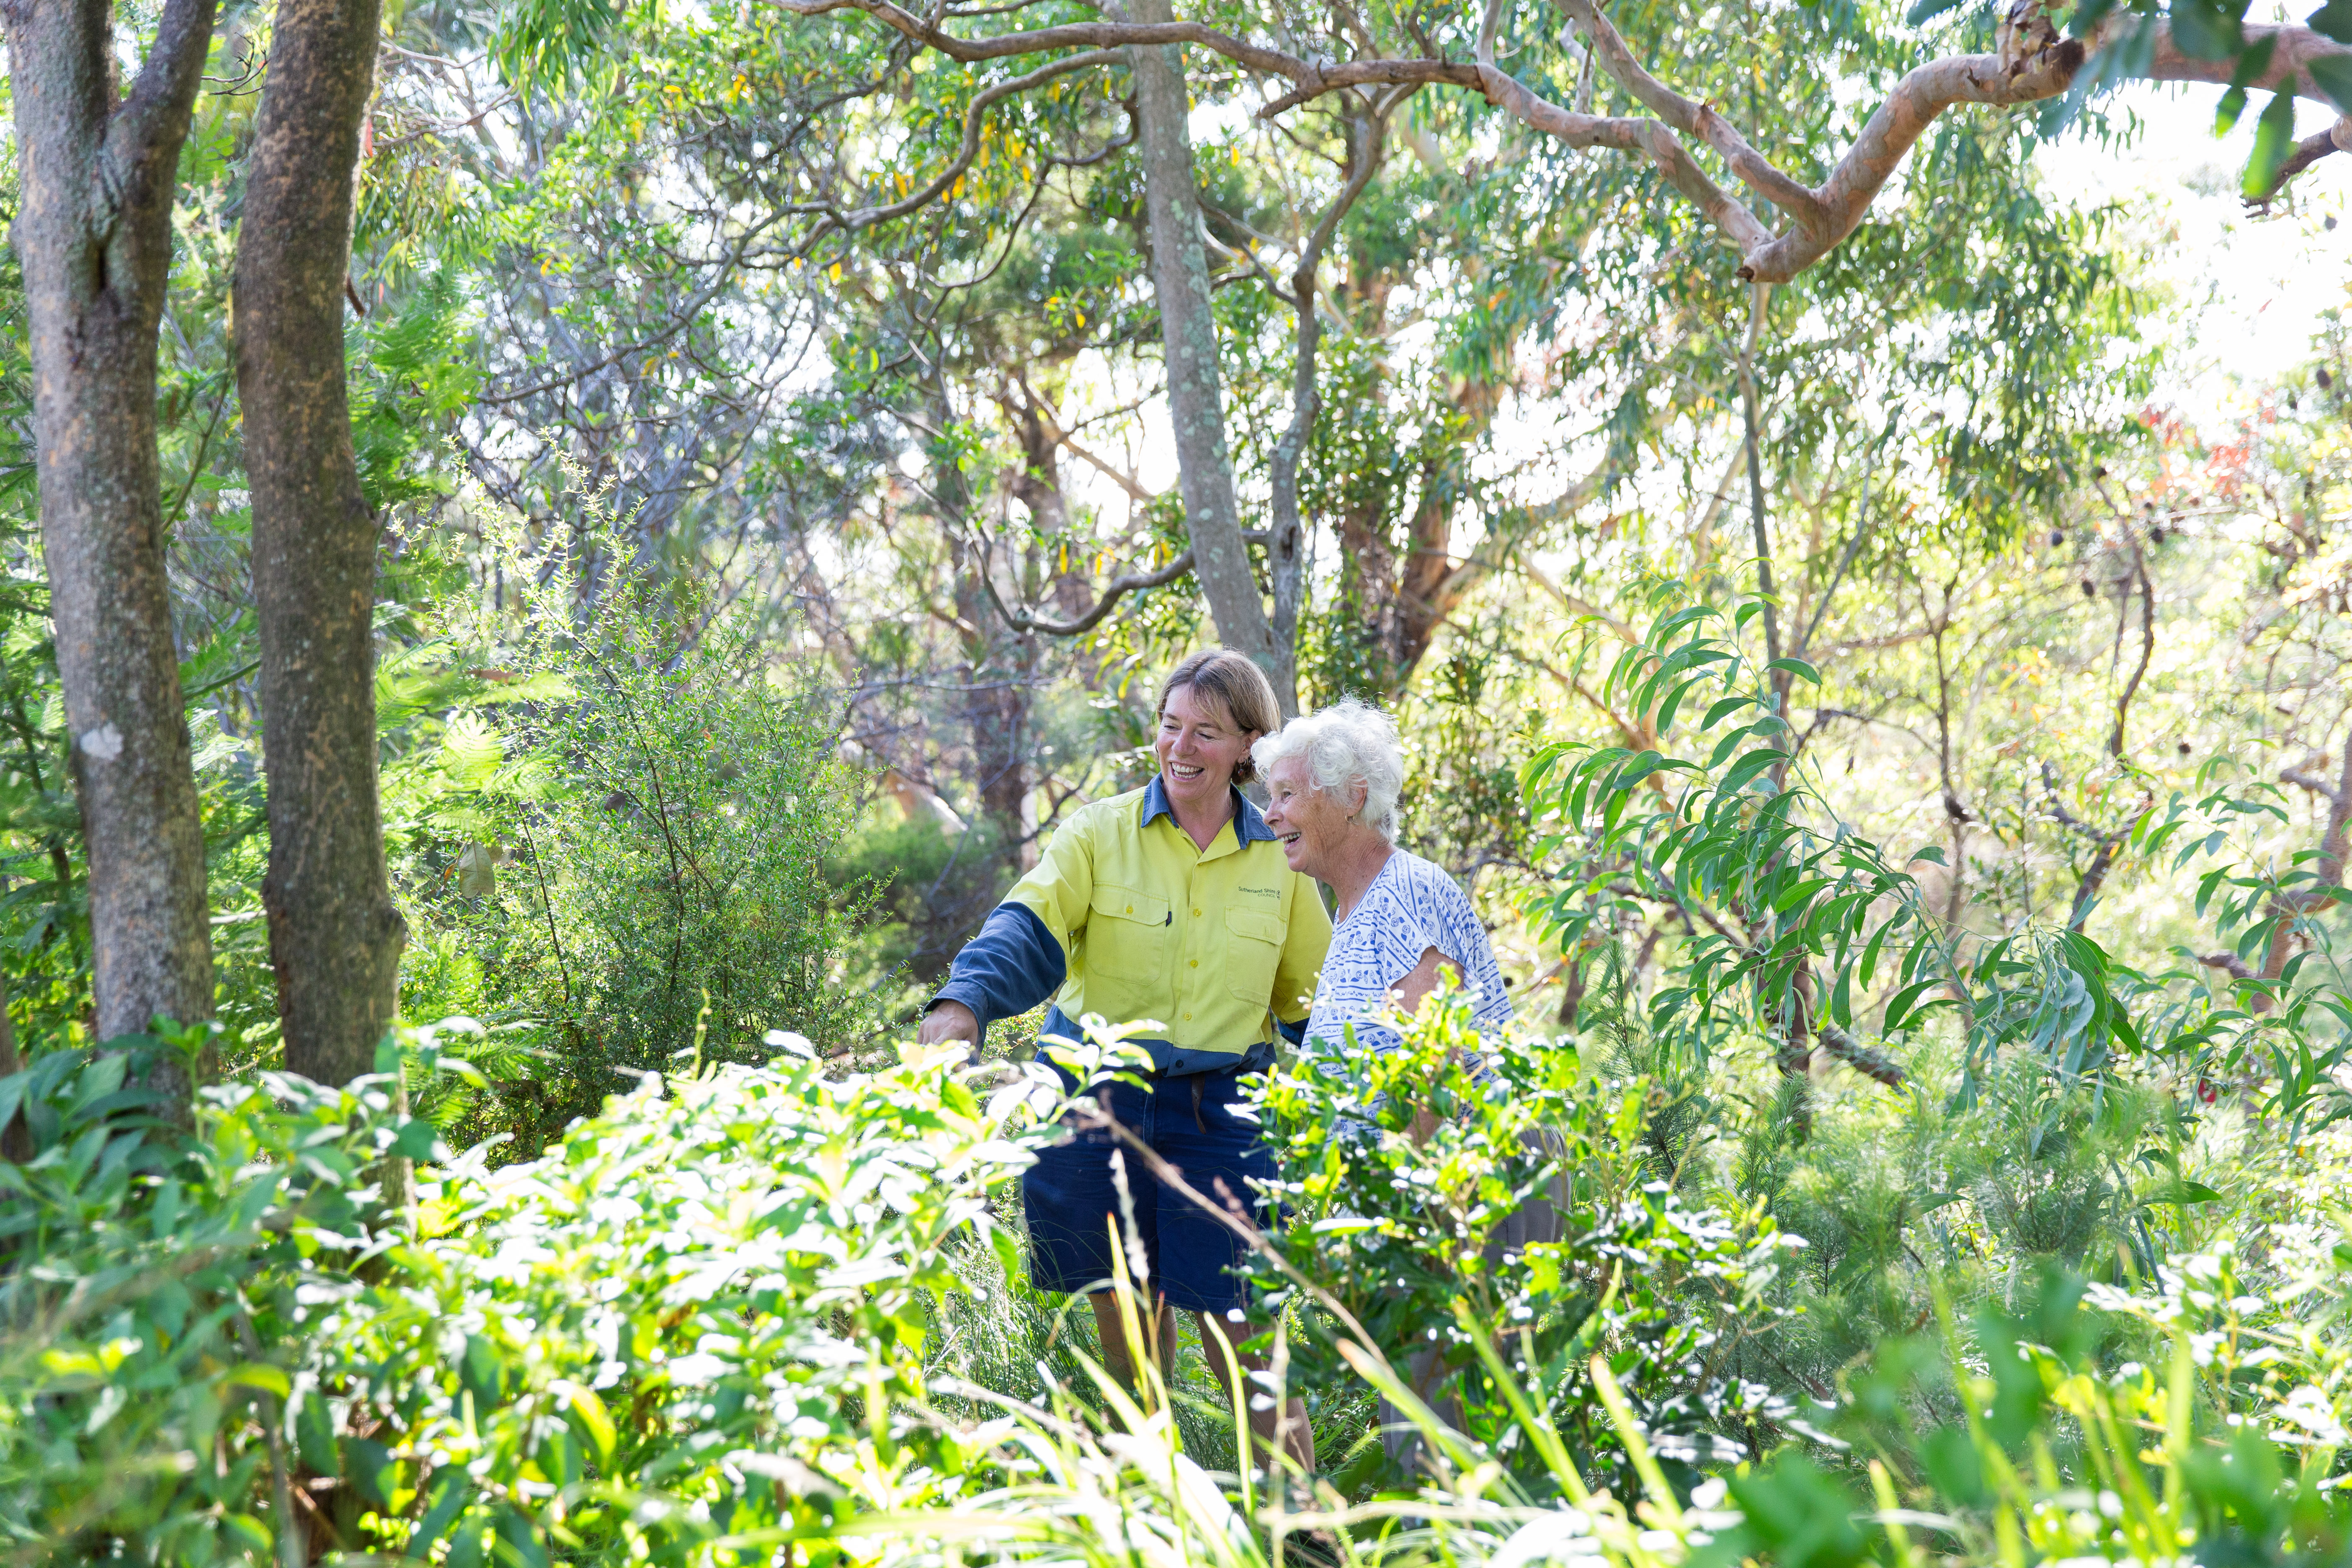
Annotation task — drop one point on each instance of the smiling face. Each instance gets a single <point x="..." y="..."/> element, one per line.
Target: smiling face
<point x="1199" y="747"/>
<point x="1312" y="826"/>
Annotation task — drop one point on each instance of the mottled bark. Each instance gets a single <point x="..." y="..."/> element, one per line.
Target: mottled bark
<point x="335" y="934"/>
<point x="1188" y="329"/>
<point x="94" y="237"/>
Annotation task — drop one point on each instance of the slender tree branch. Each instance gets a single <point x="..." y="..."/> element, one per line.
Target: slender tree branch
<point x="2237" y="968"/>
<point x="975" y="115"/>
<point x="1312" y="78"/>
<point x="1113" y="591"/>
<point x="1852" y="546"/>
<point x="2146" y="648"/>
<point x="2307" y="151"/>
<point x="1365" y="136"/>
<point x="684" y="317"/>
<point x="2107" y="844"/>
<point x="2032" y="62"/>
<point x="1691" y="119"/>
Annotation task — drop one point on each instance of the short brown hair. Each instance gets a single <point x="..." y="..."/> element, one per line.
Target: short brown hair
<point x="1234" y="681"/>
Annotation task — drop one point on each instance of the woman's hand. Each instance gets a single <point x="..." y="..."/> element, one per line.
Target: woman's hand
<point x="947" y="1021"/>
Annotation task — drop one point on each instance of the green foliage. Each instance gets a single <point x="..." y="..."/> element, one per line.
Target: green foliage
<point x="700" y="1323"/>
<point x="1747" y="836"/>
<point x="153" y="1284"/>
<point x="225" y="1294"/>
<point x="623" y="838"/>
<point x="746" y="1309"/>
<point x="922" y="889"/>
<point x="416" y="369"/>
<point x="616" y="844"/>
<point x="1404" y="1173"/>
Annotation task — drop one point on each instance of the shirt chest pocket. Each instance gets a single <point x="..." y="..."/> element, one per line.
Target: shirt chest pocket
<point x="1128" y="936"/>
<point x="1253" y="948"/>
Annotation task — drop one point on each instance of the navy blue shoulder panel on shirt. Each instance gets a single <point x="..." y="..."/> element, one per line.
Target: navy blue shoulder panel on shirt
<point x="1010" y="966"/>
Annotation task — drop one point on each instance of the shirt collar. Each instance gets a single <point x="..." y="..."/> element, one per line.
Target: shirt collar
<point x="1249" y="822"/>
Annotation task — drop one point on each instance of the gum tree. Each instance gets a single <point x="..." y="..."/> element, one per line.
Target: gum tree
<point x="99" y="168"/>
<point x="335" y="934"/>
<point x="1598" y="93"/>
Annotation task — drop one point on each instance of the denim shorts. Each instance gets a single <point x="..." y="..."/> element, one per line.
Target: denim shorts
<point x="1071" y="1199"/>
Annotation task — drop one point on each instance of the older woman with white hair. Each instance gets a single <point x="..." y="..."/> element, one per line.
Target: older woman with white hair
<point x="1332" y="780"/>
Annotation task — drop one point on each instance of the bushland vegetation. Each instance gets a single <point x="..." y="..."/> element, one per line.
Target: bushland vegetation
<point x="560" y="558"/>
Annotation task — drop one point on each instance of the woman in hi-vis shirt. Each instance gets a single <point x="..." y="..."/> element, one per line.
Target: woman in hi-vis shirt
<point x="1171" y="902"/>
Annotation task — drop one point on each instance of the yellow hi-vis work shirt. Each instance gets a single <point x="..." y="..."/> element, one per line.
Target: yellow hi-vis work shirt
<point x="1126" y="916"/>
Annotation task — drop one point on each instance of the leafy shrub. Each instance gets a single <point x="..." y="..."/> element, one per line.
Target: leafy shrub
<point x="700" y="1320"/>
<point x="1411" y="1235"/>
<point x="921" y="891"/>
<point x="618" y="846"/>
<point x="730" y="1319"/>
<point x="155" y="1283"/>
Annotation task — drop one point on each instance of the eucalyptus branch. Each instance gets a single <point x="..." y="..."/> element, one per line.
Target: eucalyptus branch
<point x="2032" y="62"/>
<point x="2147" y="646"/>
<point x="1365" y="138"/>
<point x="1113" y="591"/>
<point x="975" y="115"/>
<point x="2307" y="151"/>
<point x="1312" y="78"/>
<point x="2106" y="845"/>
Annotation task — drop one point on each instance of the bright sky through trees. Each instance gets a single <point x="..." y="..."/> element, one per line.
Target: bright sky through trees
<point x="2248" y="290"/>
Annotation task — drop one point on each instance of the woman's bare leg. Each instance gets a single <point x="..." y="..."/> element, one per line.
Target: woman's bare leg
<point x="1110" y="1331"/>
<point x="1297" y="1437"/>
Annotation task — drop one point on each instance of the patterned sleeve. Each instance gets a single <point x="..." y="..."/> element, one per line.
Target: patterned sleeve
<point x="1406" y="932"/>
<point x="1464" y="938"/>
<point x="1453" y="929"/>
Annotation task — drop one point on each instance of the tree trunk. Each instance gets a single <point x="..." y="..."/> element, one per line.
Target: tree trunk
<point x="996" y="673"/>
<point x="1188" y="329"/>
<point x="94" y="235"/>
<point x="335" y="934"/>
<point x="1429" y="587"/>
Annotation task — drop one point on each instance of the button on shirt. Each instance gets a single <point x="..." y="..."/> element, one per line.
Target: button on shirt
<point x="1127" y="917"/>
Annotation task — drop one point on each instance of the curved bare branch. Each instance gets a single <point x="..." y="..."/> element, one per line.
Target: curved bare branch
<point x="1113" y="591"/>
<point x="2307" y="151"/>
<point x="974" y="117"/>
<point x="2032" y="62"/>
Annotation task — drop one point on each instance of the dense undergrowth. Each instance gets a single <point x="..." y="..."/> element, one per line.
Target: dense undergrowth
<point x="751" y="1314"/>
<point x="1877" y="1240"/>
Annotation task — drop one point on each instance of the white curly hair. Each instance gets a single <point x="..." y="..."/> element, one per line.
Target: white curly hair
<point x="1348" y="745"/>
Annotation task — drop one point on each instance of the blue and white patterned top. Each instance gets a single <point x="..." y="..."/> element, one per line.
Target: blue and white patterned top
<point x="1411" y="907"/>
